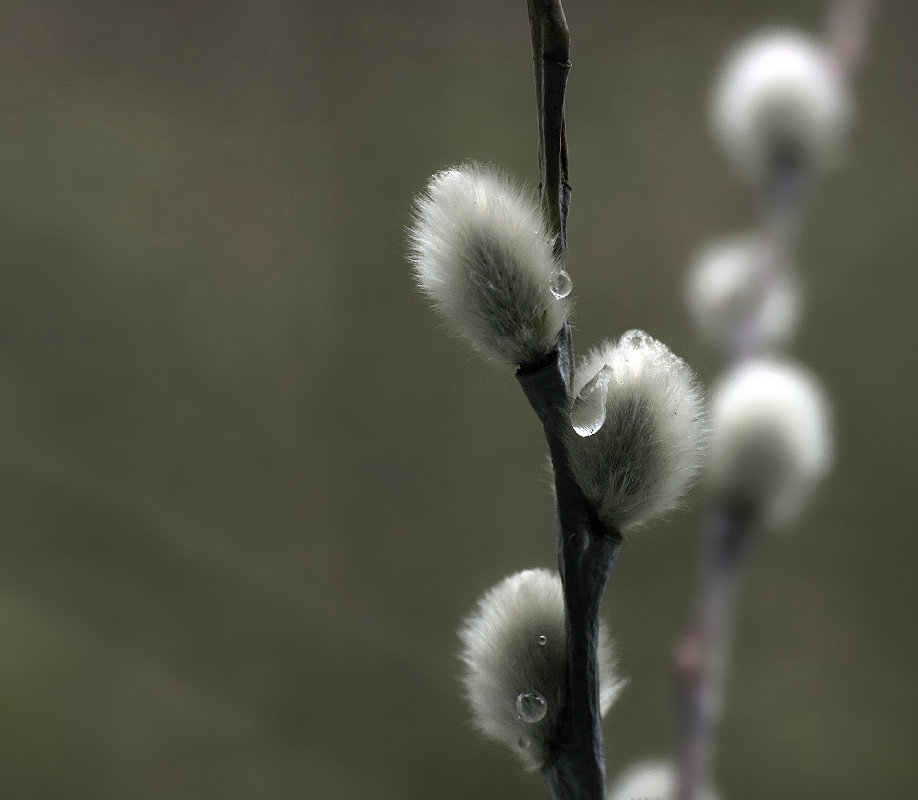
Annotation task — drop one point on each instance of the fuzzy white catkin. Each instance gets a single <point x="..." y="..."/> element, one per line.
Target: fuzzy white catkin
<point x="771" y="438"/>
<point x="643" y="458"/>
<point x="503" y="656"/>
<point x="731" y="293"/>
<point x="780" y="87"/>
<point x="650" y="780"/>
<point x="480" y="251"/>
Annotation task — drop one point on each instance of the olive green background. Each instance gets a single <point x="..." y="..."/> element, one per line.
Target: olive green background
<point x="249" y="486"/>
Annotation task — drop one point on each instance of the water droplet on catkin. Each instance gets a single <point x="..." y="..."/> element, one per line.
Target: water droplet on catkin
<point x="561" y="283"/>
<point x="589" y="410"/>
<point x="531" y="707"/>
<point x="636" y="338"/>
<point x="543" y="640"/>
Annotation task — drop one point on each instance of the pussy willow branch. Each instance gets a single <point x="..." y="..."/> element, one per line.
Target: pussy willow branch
<point x="846" y="33"/>
<point x="587" y="548"/>
<point x="701" y="653"/>
<point x="551" y="62"/>
<point x="730" y="529"/>
<point x="551" y="65"/>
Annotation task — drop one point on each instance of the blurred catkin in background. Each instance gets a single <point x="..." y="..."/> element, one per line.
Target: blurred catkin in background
<point x="247" y="493"/>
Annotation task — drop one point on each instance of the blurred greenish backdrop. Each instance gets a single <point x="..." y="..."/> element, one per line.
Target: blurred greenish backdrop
<point x="248" y="486"/>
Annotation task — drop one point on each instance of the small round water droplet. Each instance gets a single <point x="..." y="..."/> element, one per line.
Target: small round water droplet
<point x="543" y="640"/>
<point x="524" y="742"/>
<point x="636" y="338"/>
<point x="561" y="283"/>
<point x="589" y="410"/>
<point x="531" y="706"/>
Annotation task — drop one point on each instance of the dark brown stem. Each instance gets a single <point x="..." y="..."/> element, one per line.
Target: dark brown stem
<point x="551" y="61"/>
<point x="551" y="64"/>
<point x="587" y="550"/>
<point x="701" y="652"/>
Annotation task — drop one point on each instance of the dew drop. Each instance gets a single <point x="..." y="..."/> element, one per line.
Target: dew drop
<point x="524" y="742"/>
<point x="636" y="338"/>
<point x="543" y="640"/>
<point x="589" y="410"/>
<point x="561" y="283"/>
<point x="531" y="707"/>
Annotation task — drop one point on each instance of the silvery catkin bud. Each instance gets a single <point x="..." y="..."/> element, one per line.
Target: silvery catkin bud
<point x="514" y="651"/>
<point x="731" y="293"/>
<point x="780" y="93"/>
<point x="637" y="433"/>
<point x="480" y="251"/>
<point x="771" y="439"/>
<point x="650" y="780"/>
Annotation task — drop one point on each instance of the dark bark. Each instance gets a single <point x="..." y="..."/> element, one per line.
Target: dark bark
<point x="587" y="550"/>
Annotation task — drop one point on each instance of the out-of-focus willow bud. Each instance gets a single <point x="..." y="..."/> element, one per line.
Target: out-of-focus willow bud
<point x="637" y="433"/>
<point x="514" y="650"/>
<point x="480" y="251"/>
<point x="771" y="439"/>
<point x="779" y="99"/>
<point x="650" y="780"/>
<point x="732" y="293"/>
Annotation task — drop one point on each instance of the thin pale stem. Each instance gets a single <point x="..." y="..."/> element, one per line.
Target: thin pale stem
<point x="782" y="215"/>
<point x="847" y="27"/>
<point x="701" y="653"/>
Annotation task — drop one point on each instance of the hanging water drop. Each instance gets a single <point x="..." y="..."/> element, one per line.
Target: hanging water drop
<point x="589" y="410"/>
<point x="561" y="283"/>
<point x="636" y="338"/>
<point x="543" y="640"/>
<point x="531" y="707"/>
